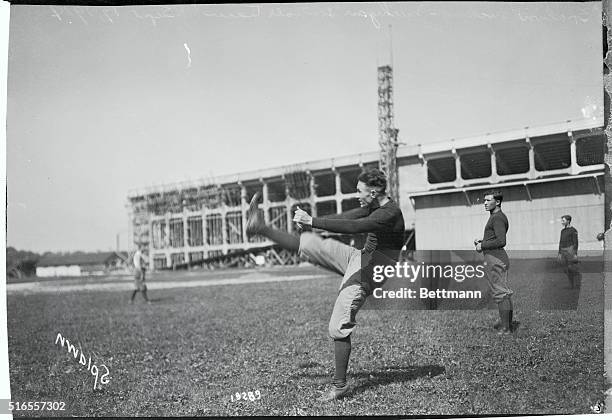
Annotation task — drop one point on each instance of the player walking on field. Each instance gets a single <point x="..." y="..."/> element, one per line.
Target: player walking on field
<point x="139" y="277"/>
<point x="496" y="260"/>
<point x="382" y="219"/>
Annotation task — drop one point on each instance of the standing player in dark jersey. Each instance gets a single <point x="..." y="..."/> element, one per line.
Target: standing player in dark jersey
<point x="496" y="262"/>
<point x="568" y="251"/>
<point x="382" y="219"/>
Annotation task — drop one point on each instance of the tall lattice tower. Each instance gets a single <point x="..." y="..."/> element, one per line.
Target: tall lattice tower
<point x="387" y="132"/>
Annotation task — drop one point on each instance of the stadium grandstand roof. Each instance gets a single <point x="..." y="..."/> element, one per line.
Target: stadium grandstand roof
<point x="91" y="258"/>
<point x="366" y="157"/>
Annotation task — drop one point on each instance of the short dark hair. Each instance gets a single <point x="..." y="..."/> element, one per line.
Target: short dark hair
<point x="374" y="178"/>
<point x="497" y="195"/>
<point x="567" y="217"/>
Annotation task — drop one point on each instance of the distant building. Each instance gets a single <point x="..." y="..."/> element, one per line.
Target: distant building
<point x="89" y="264"/>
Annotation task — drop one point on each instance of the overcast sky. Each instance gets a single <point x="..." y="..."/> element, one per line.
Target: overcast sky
<point x="104" y="100"/>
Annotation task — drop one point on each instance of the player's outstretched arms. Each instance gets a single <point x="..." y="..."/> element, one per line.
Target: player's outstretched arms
<point x="379" y="220"/>
<point x="357" y="213"/>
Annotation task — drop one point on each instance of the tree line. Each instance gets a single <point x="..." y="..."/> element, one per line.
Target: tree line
<point x="23" y="263"/>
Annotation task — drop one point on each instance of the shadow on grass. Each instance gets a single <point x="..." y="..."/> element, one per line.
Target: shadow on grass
<point x="392" y="375"/>
<point x="306" y="365"/>
<point x="375" y="378"/>
<point x="167" y="299"/>
<point x="558" y="295"/>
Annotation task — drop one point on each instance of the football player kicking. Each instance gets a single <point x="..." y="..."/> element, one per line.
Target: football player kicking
<point x="381" y="218"/>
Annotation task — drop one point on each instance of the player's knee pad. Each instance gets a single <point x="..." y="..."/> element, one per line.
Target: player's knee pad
<point x="336" y="333"/>
<point x="339" y="328"/>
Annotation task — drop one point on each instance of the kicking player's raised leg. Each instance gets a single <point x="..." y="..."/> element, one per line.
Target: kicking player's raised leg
<point x="327" y="253"/>
<point x="256" y="226"/>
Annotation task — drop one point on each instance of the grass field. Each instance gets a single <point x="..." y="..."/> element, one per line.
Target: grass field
<point x="195" y="347"/>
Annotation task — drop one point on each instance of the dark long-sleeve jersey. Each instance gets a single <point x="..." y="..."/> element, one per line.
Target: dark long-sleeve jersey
<point x="494" y="238"/>
<point x="383" y="224"/>
<point x="569" y="237"/>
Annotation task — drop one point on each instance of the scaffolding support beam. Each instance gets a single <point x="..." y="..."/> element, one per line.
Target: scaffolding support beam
<point x="387" y="132"/>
